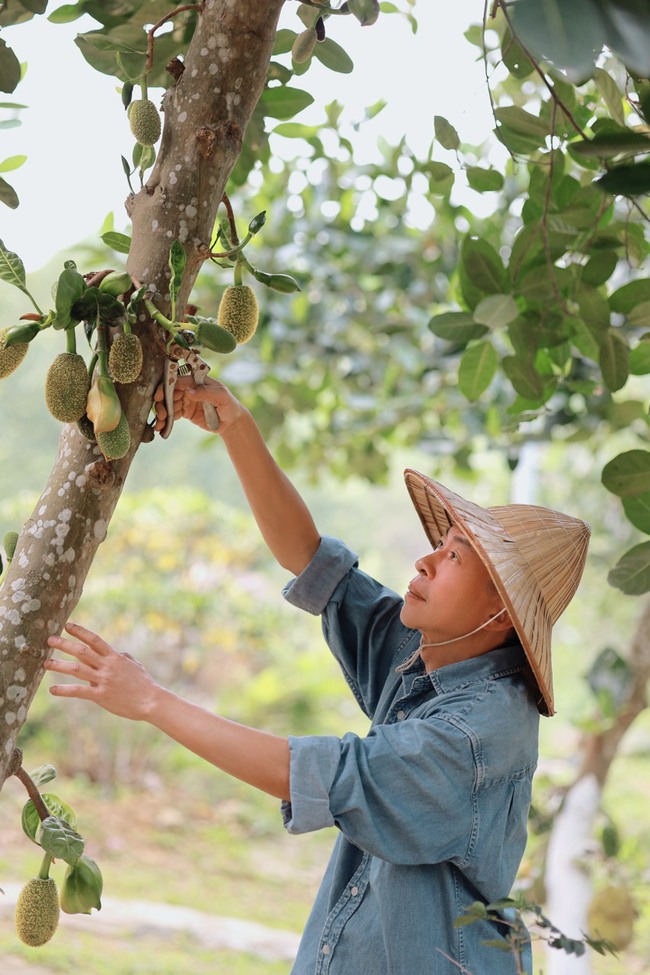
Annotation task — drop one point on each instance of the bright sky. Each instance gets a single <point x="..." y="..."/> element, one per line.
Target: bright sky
<point x="74" y="129"/>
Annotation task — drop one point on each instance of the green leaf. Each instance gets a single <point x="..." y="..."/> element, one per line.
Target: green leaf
<point x="523" y="123"/>
<point x="611" y="144"/>
<point x="9" y="68"/>
<point x="284" y="102"/>
<point x="366" y="11"/>
<point x="31" y="820"/>
<point x="483" y="266"/>
<point x="624" y="299"/>
<point x="117" y="242"/>
<point x="8" y="195"/>
<point x="484" y="180"/>
<point x="177" y="261"/>
<point x="42" y="775"/>
<point x="614" y="360"/>
<point x="120" y="39"/>
<point x="12" y="162"/>
<point x="445" y="133"/>
<point x="333" y="56"/>
<point x="67" y="13"/>
<point x="568" y="33"/>
<point x="284" y="41"/>
<point x="640" y="358"/>
<point x="82" y="887"/>
<point x="611" y="94"/>
<point x="630" y="181"/>
<point x="441" y="177"/>
<point x="631" y="574"/>
<point x="70" y="288"/>
<point x="524" y="377"/>
<point x="599" y="268"/>
<point x="514" y="57"/>
<point x="456" y="326"/>
<point x="628" y="474"/>
<point x="637" y="511"/>
<point x="496" y="311"/>
<point x="12" y="269"/>
<point x="60" y="840"/>
<point x="477" y="369"/>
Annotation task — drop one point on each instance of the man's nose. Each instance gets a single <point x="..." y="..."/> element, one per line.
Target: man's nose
<point x="426" y="564"/>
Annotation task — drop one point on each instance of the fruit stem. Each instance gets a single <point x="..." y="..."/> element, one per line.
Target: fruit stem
<point x="44" y="872"/>
<point x="71" y="339"/>
<point x="32" y="792"/>
<point x="237" y="274"/>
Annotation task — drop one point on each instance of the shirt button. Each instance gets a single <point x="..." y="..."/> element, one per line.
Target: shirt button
<point x="354" y="891"/>
<point x="401" y="715"/>
<point x="326" y="949"/>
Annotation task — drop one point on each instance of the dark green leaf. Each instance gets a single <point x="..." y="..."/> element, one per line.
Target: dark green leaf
<point x="637" y="511"/>
<point x="640" y="359"/>
<point x="631" y="181"/>
<point x="599" y="268"/>
<point x="523" y="123"/>
<point x="8" y="195"/>
<point x="624" y="299"/>
<point x="445" y="133"/>
<point x="612" y="144"/>
<point x="477" y="369"/>
<point x="31" y="820"/>
<point x="514" y="57"/>
<point x="614" y="360"/>
<point x="9" y="68"/>
<point x="524" y="377"/>
<point x="67" y="13"/>
<point x="119" y="39"/>
<point x="333" y="56"/>
<point x="631" y="574"/>
<point x="568" y="33"/>
<point x="284" y="41"/>
<point x="628" y="474"/>
<point x="483" y="266"/>
<point x="484" y="180"/>
<point x="612" y="96"/>
<point x="283" y="102"/>
<point x="69" y="290"/>
<point x="35" y="6"/>
<point x="456" y="326"/>
<point x="610" y="679"/>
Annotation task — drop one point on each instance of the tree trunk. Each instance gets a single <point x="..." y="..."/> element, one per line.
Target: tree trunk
<point x="568" y="883"/>
<point x="205" y="117"/>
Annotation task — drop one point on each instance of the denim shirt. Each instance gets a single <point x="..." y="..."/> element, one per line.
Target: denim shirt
<point x="431" y="806"/>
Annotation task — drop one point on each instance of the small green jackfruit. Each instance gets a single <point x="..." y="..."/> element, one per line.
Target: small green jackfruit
<point x="144" y="120"/>
<point x="9" y="543"/>
<point x="304" y="44"/>
<point x="115" y="444"/>
<point x="116" y="283"/>
<point x="238" y="312"/>
<point x="10" y="356"/>
<point x="66" y="387"/>
<point x="125" y="358"/>
<point x="213" y="336"/>
<point x="37" y="911"/>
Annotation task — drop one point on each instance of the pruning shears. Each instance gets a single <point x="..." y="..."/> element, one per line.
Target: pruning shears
<point x="182" y="362"/>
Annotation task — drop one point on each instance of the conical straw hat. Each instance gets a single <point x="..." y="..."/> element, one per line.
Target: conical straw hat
<point x="535" y="557"/>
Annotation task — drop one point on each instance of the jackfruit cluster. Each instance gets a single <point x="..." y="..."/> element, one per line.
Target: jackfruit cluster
<point x="114" y="444"/>
<point x="238" y="312"/>
<point x="10" y="356"/>
<point x="37" y="911"/>
<point x="144" y="120"/>
<point x="125" y="358"/>
<point x="66" y="387"/>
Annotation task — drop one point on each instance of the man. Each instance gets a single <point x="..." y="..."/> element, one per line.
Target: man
<point x="431" y="806"/>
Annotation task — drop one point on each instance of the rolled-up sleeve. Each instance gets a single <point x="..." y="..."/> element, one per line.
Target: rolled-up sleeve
<point x="403" y="793"/>
<point x="314" y="587"/>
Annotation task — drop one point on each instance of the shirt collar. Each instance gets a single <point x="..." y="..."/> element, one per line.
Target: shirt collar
<point x="494" y="663"/>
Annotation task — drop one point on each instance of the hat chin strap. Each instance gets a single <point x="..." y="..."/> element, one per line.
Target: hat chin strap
<point x="443" y="643"/>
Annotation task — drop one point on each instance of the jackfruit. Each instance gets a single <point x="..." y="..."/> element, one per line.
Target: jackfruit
<point x="116" y="283"/>
<point x="9" y="543"/>
<point x="115" y="444"/>
<point x="66" y="387"/>
<point x="611" y="915"/>
<point x="10" y="356"/>
<point x="125" y="358"/>
<point x="304" y="44"/>
<point x="214" y="336"/>
<point x="37" y="911"/>
<point x="238" y="312"/>
<point x="103" y="406"/>
<point x="144" y="120"/>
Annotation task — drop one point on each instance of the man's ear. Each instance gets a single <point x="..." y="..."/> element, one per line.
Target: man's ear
<point x="500" y="623"/>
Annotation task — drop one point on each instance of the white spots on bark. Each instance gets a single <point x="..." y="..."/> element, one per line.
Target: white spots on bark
<point x="100" y="529"/>
<point x="16" y="693"/>
<point x="183" y="231"/>
<point x="173" y="178"/>
<point x="154" y="225"/>
<point x="20" y="674"/>
<point x="81" y="481"/>
<point x="238" y="82"/>
<point x="191" y="210"/>
<point x="213" y="69"/>
<point x="23" y="561"/>
<point x="182" y="117"/>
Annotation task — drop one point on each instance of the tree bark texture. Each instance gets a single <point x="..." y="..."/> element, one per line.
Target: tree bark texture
<point x="568" y="881"/>
<point x="206" y="113"/>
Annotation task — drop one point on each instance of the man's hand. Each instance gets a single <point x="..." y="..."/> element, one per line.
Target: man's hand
<point x="188" y="400"/>
<point x="114" y="680"/>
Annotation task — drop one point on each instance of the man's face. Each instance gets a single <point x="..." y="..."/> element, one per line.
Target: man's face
<point x="451" y="593"/>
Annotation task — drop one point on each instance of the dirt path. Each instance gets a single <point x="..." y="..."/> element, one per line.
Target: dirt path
<point x="132" y="918"/>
